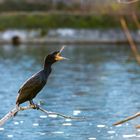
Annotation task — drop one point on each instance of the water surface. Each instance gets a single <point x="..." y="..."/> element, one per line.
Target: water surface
<point x="99" y="82"/>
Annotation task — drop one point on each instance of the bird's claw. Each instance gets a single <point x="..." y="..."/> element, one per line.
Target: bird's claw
<point x="34" y="106"/>
<point x="21" y="108"/>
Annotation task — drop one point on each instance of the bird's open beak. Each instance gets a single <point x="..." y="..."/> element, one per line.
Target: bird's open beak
<point x="59" y="57"/>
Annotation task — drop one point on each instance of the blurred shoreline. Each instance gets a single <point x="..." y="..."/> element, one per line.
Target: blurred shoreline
<point x="68" y="36"/>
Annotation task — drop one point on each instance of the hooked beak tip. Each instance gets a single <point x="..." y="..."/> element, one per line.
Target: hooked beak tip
<point x="62" y="49"/>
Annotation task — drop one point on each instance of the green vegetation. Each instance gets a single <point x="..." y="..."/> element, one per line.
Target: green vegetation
<point x="47" y="14"/>
<point x="56" y="20"/>
<point x="46" y="21"/>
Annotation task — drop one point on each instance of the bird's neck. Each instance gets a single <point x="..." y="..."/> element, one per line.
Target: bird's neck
<point x="47" y="66"/>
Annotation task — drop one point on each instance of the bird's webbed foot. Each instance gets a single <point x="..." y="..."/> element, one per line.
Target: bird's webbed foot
<point x="33" y="105"/>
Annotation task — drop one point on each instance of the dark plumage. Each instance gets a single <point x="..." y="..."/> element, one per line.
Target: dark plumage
<point x="34" y="85"/>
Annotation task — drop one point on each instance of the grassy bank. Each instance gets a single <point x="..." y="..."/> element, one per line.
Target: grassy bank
<point x="52" y="20"/>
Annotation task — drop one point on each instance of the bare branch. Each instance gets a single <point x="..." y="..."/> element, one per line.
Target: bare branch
<point x="16" y="110"/>
<point x="128" y="119"/>
<point x="130" y="39"/>
<point x="60" y="115"/>
<point x="8" y="116"/>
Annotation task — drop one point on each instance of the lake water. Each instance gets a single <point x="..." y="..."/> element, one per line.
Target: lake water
<point x="99" y="82"/>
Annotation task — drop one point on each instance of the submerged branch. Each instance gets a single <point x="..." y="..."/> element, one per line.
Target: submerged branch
<point x="128" y="119"/>
<point x="14" y="111"/>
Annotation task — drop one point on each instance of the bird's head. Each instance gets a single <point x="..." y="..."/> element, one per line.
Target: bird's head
<point x="54" y="57"/>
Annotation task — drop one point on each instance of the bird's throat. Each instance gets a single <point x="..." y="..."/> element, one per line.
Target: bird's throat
<point x="47" y="66"/>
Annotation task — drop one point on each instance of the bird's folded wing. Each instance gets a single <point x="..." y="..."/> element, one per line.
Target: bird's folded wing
<point x="35" y="82"/>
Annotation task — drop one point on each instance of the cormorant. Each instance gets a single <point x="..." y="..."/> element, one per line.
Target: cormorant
<point x="34" y="85"/>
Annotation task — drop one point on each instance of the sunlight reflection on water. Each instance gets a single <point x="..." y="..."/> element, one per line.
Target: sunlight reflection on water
<point x="99" y="82"/>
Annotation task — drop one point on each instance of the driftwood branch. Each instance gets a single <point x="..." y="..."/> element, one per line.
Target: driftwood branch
<point x="128" y="119"/>
<point x="16" y="110"/>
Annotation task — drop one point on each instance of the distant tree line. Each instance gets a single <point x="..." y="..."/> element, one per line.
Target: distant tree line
<point x="66" y="5"/>
<point x="47" y="5"/>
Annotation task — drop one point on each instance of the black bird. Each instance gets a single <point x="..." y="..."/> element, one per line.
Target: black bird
<point x="34" y="85"/>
